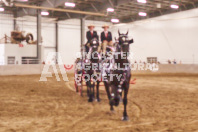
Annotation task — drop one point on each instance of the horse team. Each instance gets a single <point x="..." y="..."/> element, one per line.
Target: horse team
<point x="112" y="68"/>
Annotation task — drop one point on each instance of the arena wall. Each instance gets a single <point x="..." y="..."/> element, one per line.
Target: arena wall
<point x="172" y="36"/>
<point x="155" y="37"/>
<point x="37" y="69"/>
<point x="69" y="33"/>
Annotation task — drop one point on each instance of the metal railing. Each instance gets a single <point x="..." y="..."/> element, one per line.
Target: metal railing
<point x="30" y="61"/>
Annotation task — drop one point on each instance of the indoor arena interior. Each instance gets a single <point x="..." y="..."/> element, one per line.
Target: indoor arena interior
<point x="98" y="66"/>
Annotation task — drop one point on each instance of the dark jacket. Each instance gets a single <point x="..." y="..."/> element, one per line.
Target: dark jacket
<point x="108" y="38"/>
<point x="90" y="37"/>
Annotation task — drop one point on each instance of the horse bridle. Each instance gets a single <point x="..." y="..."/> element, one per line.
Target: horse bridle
<point x="124" y="72"/>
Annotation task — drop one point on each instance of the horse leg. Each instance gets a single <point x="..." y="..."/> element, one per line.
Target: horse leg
<point x="87" y="83"/>
<point x="81" y="88"/>
<point x="98" y="98"/>
<point x="121" y="96"/>
<point x="90" y="93"/>
<point x="107" y="90"/>
<point x="93" y="93"/>
<point x="112" y="99"/>
<point x="125" y="116"/>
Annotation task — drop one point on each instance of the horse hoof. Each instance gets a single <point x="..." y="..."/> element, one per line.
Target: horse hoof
<point x="98" y="100"/>
<point x="90" y="100"/>
<point x="125" y="118"/>
<point x="112" y="109"/>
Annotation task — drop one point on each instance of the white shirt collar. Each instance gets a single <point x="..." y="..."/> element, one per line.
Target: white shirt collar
<point x="105" y="31"/>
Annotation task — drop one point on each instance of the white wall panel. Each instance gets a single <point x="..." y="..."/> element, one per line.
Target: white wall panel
<point x="171" y="36"/>
<point x="69" y="40"/>
<point x="6" y="25"/>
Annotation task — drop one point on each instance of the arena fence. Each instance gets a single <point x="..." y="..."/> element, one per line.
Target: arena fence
<point x="30" y="69"/>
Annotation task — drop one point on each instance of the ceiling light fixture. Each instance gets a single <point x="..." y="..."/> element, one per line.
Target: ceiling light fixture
<point x="69" y="4"/>
<point x="2" y="9"/>
<point x="115" y="20"/>
<point x="44" y="13"/>
<point x="174" y="6"/>
<point x="142" y="14"/>
<point x="110" y="10"/>
<point x="141" y="1"/>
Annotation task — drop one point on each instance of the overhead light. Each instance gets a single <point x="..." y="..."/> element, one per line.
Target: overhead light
<point x="2" y="9"/>
<point x="23" y="0"/>
<point x="142" y="14"/>
<point x="44" y="13"/>
<point x="110" y="10"/>
<point x="174" y="6"/>
<point x="70" y="4"/>
<point x="141" y="1"/>
<point x="115" y="20"/>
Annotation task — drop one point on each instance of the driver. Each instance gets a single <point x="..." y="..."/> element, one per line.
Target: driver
<point x="91" y="34"/>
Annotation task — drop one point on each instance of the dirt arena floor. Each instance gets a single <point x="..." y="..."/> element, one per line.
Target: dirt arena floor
<point x="157" y="103"/>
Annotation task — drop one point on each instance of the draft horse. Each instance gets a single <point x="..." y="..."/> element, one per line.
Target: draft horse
<point x="120" y="83"/>
<point x="93" y="70"/>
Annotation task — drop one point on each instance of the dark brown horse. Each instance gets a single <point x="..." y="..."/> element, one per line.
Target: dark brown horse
<point x="92" y="69"/>
<point x="121" y="74"/>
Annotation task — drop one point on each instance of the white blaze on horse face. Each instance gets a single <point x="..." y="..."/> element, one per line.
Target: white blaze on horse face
<point x="123" y="38"/>
<point x="94" y="44"/>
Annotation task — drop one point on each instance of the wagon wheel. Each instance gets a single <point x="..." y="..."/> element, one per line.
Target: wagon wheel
<point x="29" y="38"/>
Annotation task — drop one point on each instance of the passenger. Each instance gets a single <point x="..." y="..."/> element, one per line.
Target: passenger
<point x="106" y="38"/>
<point x="90" y="35"/>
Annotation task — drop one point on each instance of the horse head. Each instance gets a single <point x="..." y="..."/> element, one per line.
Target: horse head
<point x="94" y="44"/>
<point x="124" y="42"/>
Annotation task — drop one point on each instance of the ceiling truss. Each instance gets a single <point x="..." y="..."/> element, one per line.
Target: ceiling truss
<point x="125" y="10"/>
